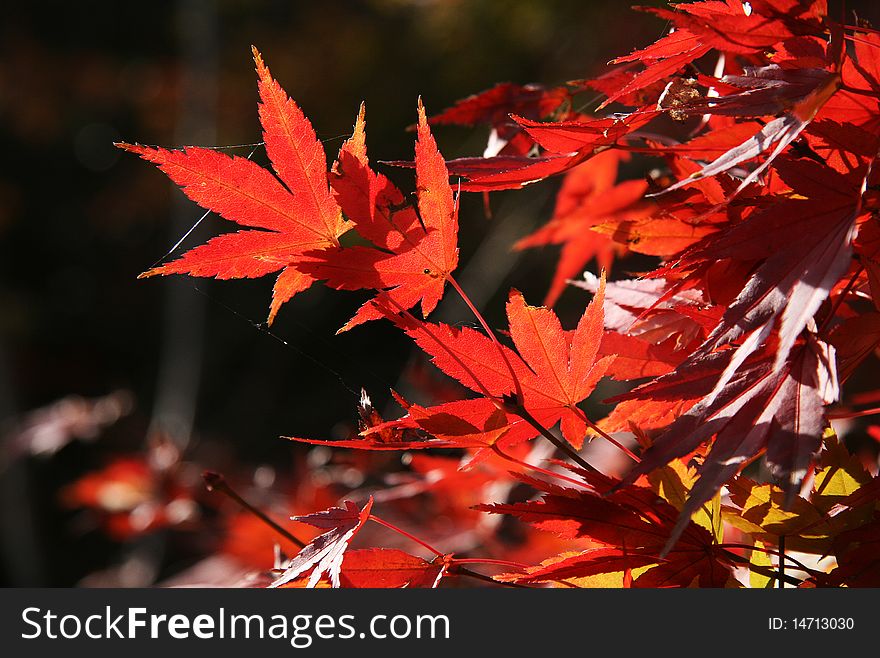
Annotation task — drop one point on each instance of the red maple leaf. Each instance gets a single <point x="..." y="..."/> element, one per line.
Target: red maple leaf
<point x="416" y="252"/>
<point x="555" y="369"/>
<point x="291" y="215"/>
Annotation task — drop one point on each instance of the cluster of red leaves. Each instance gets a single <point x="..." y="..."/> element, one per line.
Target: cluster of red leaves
<point x="765" y="301"/>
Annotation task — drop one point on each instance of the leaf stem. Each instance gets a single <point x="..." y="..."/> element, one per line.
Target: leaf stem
<point x="501" y="563"/>
<point x="491" y="334"/>
<point x="409" y="536"/>
<point x="523" y="413"/>
<point x="216" y="482"/>
<point x="543" y="471"/>
<point x="629" y="453"/>
<point x="855" y="90"/>
<point x="424" y="325"/>
<point x="840" y="415"/>
<point x="463" y="571"/>
<point x="841" y="298"/>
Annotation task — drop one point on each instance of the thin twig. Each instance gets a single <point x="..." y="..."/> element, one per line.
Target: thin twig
<point x="500" y="563"/>
<point x="780" y="581"/>
<point x="769" y="551"/>
<point x="629" y="453"/>
<point x="840" y="415"/>
<point x="216" y="482"/>
<point x="764" y="571"/>
<point x="841" y="298"/>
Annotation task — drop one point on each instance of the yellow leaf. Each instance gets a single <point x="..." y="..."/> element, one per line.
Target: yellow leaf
<point x="762" y="560"/>
<point x="613" y="579"/>
<point x="805" y="525"/>
<point x="762" y="505"/>
<point x="674" y="482"/>
<point x="840" y="473"/>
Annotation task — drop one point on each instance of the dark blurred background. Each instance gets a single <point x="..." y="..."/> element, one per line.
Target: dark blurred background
<point x="93" y="361"/>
